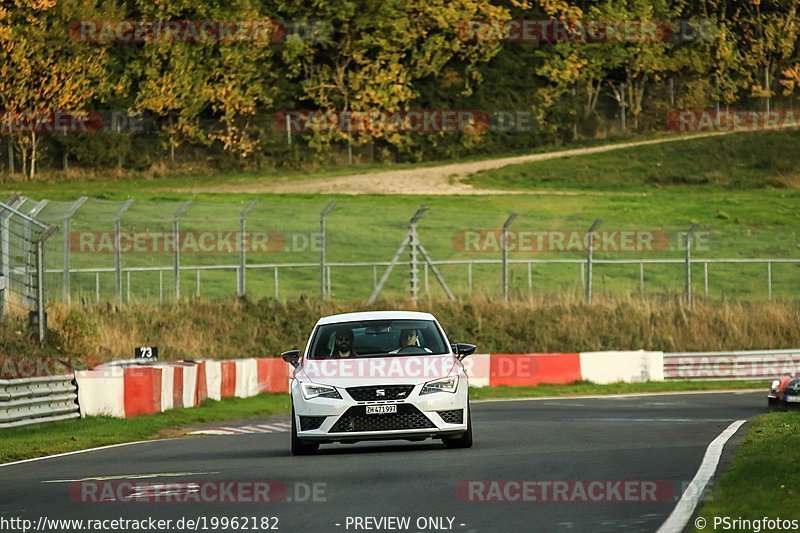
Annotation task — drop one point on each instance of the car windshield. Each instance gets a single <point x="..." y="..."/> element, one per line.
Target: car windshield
<point x="377" y="338"/>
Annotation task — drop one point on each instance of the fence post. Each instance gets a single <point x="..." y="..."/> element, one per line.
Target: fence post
<point x="40" y="325"/>
<point x="67" y="251"/>
<point x="242" y="278"/>
<point x="5" y="253"/>
<point x="504" y="249"/>
<point x="409" y="240"/>
<point x="324" y="292"/>
<point x="641" y="277"/>
<point x="118" y="247"/>
<point x="40" y="289"/>
<point x="413" y="267"/>
<point x="177" y="260"/>
<point x="688" y="244"/>
<point x="589" y="258"/>
<point x="769" y="279"/>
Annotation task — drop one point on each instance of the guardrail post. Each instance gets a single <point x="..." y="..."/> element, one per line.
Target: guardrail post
<point x="177" y="259"/>
<point x="242" y="272"/>
<point x="324" y="289"/>
<point x="504" y="249"/>
<point x="66" y="294"/>
<point x="688" y="242"/>
<point x="118" y="247"/>
<point x="589" y="258"/>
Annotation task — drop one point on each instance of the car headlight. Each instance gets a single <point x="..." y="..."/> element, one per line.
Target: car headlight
<point x="440" y="385"/>
<point x="775" y="384"/>
<point x="313" y="390"/>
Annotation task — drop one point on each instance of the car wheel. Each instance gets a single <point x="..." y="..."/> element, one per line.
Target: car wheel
<point x="465" y="440"/>
<point x="298" y="446"/>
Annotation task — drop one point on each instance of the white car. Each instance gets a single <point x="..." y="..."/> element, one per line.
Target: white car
<point x="379" y="375"/>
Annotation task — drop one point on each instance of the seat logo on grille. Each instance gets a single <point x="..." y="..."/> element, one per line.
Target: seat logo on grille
<point x="380" y="392"/>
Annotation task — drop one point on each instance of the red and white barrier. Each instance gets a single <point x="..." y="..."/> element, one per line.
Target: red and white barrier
<point x="102" y="392"/>
<point x="514" y="370"/>
<point x="125" y="391"/>
<point x="631" y="367"/>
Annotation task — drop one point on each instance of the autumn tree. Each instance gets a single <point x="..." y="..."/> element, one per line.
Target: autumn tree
<point x="217" y="65"/>
<point x="45" y="71"/>
<point x="374" y="53"/>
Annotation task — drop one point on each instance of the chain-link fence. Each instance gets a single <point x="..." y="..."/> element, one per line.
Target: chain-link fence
<point x="366" y="249"/>
<point x="22" y="276"/>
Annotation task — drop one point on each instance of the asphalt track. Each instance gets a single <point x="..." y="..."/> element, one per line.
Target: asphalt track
<point x="655" y="439"/>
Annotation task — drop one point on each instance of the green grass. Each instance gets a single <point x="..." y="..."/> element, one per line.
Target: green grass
<point x="739" y="161"/>
<point x="760" y="481"/>
<point x="60" y="437"/>
<point x="81" y="434"/>
<point x="590" y="389"/>
<point x="727" y="185"/>
<point x="98" y="185"/>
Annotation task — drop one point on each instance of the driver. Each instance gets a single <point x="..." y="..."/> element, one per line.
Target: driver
<point x="409" y="337"/>
<point x="344" y="343"/>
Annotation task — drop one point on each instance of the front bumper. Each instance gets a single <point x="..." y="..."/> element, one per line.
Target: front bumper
<point x="437" y="415"/>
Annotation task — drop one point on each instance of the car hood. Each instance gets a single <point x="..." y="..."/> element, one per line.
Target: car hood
<point x="361" y="371"/>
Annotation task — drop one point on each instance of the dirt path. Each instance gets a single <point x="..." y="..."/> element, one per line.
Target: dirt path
<point x="438" y="180"/>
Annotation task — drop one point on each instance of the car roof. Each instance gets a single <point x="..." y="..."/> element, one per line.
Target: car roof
<point x="375" y="315"/>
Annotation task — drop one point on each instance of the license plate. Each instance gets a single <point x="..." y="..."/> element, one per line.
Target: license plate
<point x="795" y="399"/>
<point x="381" y="409"/>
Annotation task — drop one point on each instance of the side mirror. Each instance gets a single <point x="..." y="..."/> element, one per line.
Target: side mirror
<point x="462" y="350"/>
<point x="292" y="357"/>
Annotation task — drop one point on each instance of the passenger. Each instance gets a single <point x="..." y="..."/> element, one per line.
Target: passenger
<point x="409" y="337"/>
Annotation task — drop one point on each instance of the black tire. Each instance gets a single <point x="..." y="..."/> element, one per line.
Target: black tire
<point x="465" y="440"/>
<point x="298" y="446"/>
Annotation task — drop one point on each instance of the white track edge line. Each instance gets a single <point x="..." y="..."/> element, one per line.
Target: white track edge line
<point x="76" y="452"/>
<point x="677" y="520"/>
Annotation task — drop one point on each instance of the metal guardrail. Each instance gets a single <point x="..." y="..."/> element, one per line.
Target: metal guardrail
<point x="738" y="365"/>
<point x="29" y="401"/>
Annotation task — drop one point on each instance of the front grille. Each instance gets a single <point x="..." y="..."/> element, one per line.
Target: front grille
<point x="308" y="423"/>
<point x="456" y="416"/>
<point x="356" y="419"/>
<point x="372" y="392"/>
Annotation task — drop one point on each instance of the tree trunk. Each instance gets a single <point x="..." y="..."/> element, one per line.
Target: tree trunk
<point x="34" y="144"/>
<point x="23" y="154"/>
